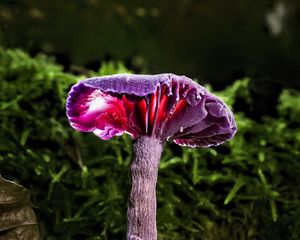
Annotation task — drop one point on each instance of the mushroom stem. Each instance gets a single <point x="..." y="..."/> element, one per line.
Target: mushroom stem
<point x="141" y="212"/>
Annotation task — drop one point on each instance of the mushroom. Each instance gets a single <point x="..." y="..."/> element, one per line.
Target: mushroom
<point x="152" y="109"/>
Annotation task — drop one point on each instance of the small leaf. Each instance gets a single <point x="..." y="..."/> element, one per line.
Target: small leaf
<point x="273" y="210"/>
<point x="17" y="219"/>
<point x="170" y="162"/>
<point x="24" y="137"/>
<point x="195" y="172"/>
<point x="84" y="176"/>
<point x="262" y="177"/>
<point x="237" y="186"/>
<point x="261" y="156"/>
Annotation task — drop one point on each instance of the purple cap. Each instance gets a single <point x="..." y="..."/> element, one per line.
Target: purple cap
<point x="165" y="106"/>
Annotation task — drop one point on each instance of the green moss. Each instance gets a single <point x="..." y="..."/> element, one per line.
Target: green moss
<point x="245" y="189"/>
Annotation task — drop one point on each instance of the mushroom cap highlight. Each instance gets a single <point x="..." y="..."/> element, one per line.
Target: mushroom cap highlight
<point x="165" y="106"/>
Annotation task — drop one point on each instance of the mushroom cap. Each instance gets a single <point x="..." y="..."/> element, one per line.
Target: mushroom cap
<point x="166" y="106"/>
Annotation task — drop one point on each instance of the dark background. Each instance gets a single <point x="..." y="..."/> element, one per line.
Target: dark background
<point x="213" y="41"/>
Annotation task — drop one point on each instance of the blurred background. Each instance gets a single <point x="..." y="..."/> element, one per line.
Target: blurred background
<point x="215" y="42"/>
<point x="248" y="51"/>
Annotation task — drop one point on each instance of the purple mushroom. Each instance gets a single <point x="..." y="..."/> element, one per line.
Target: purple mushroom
<point x="152" y="109"/>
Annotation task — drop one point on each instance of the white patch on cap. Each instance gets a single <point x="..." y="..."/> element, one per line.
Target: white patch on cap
<point x="97" y="104"/>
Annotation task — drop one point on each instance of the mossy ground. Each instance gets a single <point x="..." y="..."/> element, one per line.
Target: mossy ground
<point x="245" y="189"/>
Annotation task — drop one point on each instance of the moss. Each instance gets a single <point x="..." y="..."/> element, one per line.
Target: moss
<point x="245" y="189"/>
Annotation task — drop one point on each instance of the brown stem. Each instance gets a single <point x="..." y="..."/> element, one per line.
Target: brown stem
<point x="141" y="212"/>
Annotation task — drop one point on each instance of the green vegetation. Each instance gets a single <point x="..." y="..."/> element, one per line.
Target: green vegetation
<point x="248" y="188"/>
